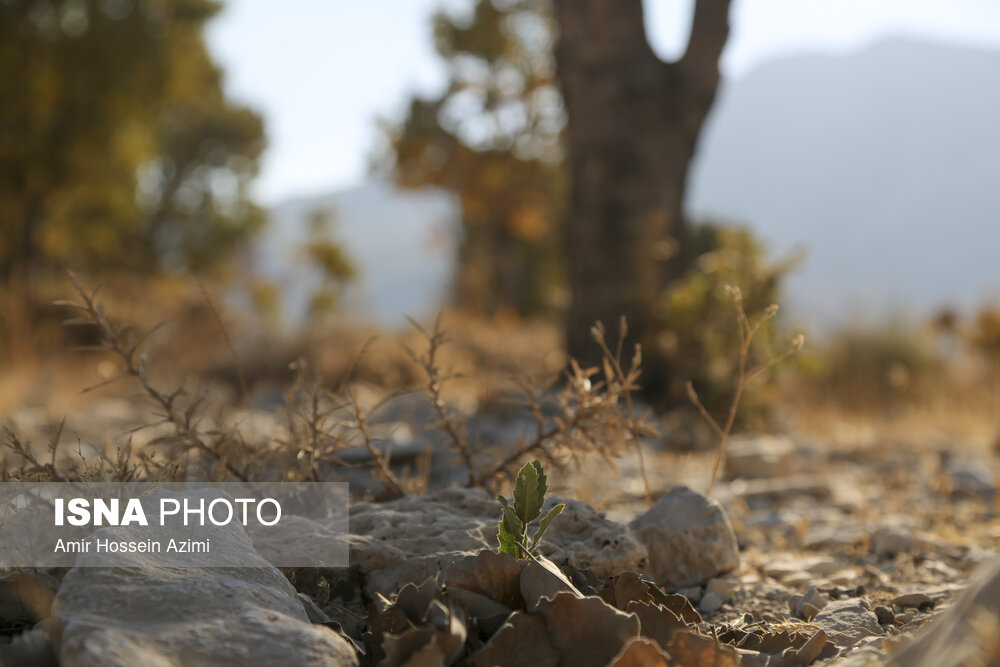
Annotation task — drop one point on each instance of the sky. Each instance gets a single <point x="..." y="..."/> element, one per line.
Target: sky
<point x="323" y="71"/>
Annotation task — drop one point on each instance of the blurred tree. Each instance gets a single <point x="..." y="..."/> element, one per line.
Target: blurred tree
<point x="634" y="122"/>
<point x="498" y="137"/>
<point x="328" y="257"/>
<point x="984" y="337"/>
<point x="493" y="137"/>
<point x="117" y="145"/>
<point x="697" y="335"/>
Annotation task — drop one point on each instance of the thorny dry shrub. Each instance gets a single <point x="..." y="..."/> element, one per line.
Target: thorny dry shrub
<point x="584" y="411"/>
<point x="743" y="375"/>
<point x="125" y="466"/>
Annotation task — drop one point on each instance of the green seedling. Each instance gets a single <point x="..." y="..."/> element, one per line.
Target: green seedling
<point x="529" y="496"/>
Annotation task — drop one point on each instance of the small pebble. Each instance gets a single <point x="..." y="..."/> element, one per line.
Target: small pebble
<point x="808" y="611"/>
<point x="710" y="603"/>
<point x="885" y="615"/>
<point x="692" y="593"/>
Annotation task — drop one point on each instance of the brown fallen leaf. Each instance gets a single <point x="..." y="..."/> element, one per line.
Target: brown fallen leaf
<point x="428" y="656"/>
<point x="689" y="649"/>
<point x="678" y="604"/>
<point x="523" y="641"/>
<point x="775" y="643"/>
<point x="641" y="653"/>
<point x="542" y="579"/>
<point x="391" y="620"/>
<point x="587" y="631"/>
<point x="813" y="648"/>
<point x="490" y="574"/>
<point x="624" y="588"/>
<point x="656" y="621"/>
<point x="441" y="626"/>
<point x="400" y="648"/>
<point x="479" y="606"/>
<point x="414" y="600"/>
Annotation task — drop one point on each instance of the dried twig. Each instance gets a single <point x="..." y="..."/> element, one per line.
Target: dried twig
<point x="229" y="341"/>
<point x="456" y="429"/>
<point x="747" y="330"/>
<point x="134" y="365"/>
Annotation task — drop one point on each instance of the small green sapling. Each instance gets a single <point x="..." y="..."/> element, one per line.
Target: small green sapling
<point x="529" y="496"/>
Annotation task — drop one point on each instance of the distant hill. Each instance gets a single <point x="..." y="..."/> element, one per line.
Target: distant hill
<point x="884" y="163"/>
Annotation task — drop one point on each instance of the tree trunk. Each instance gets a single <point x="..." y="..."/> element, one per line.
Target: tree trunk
<point x="633" y="126"/>
<point x="20" y="293"/>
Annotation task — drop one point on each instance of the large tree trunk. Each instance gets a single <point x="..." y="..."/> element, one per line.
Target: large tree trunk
<point x="633" y="126"/>
<point x="20" y="293"/>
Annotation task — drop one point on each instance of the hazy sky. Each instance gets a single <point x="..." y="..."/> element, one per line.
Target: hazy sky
<point x="322" y="71"/>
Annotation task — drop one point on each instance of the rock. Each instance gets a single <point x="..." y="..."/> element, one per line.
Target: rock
<point x="32" y="647"/>
<point x="25" y="597"/>
<point x="145" y="614"/>
<point x="688" y="537"/>
<point x="884" y="615"/>
<point x="848" y="621"/>
<point x="972" y="478"/>
<point x="692" y="593"/>
<point x="583" y="538"/>
<point x="760" y="457"/>
<point x="964" y="635"/>
<point x="786" y="568"/>
<point x="888" y="542"/>
<point x="808" y="606"/>
<point x="725" y="586"/>
<point x="918" y="600"/>
<point x="710" y="603"/>
<point x="413" y="538"/>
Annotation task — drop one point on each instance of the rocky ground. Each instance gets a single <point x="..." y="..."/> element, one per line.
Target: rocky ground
<point x="809" y="552"/>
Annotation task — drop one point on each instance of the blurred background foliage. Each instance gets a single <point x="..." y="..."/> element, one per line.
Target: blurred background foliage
<point x="122" y="157"/>
<point x="699" y="336"/>
<point x="121" y="152"/>
<point x="494" y="138"/>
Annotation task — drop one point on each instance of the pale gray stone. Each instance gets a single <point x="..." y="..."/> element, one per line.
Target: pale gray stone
<point x="888" y="542"/>
<point x="413" y="538"/>
<point x="144" y="614"/>
<point x="848" y="621"/>
<point x="809" y="605"/>
<point x="710" y="603"/>
<point x="416" y="537"/>
<point x="582" y="537"/>
<point x="725" y="586"/>
<point x="688" y="537"/>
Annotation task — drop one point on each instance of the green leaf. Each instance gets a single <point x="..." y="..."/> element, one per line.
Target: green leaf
<point x="529" y="491"/>
<point x="543" y="525"/>
<point x="508" y="543"/>
<point x="510" y="532"/>
<point x="512" y="524"/>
